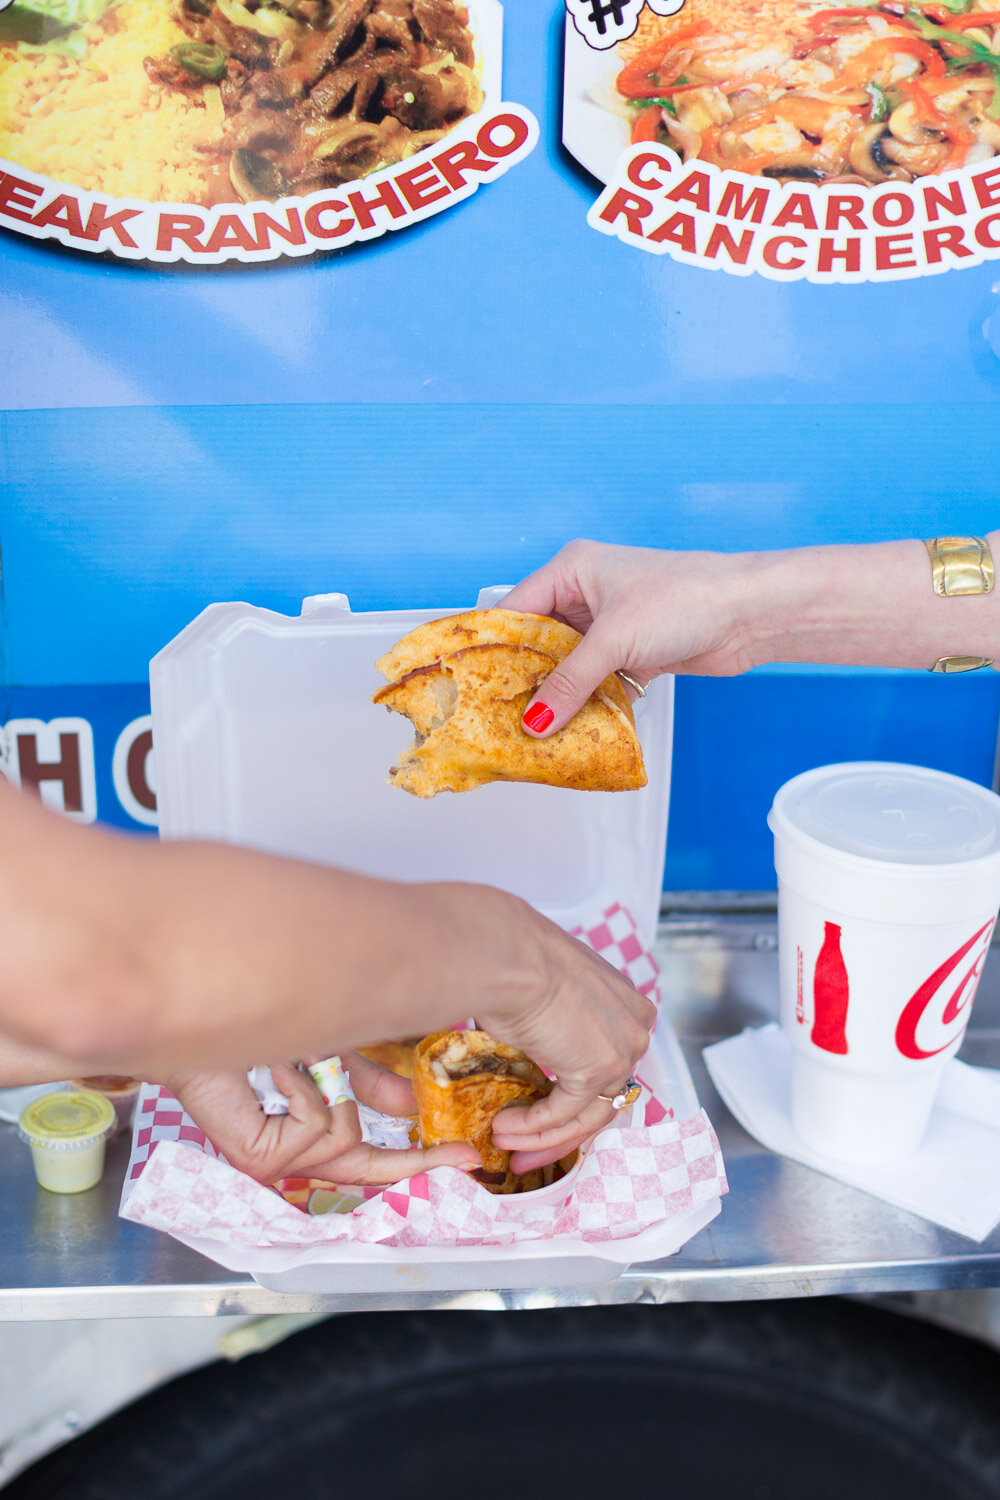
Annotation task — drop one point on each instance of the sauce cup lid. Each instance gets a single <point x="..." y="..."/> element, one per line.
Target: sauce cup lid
<point x="67" y="1121"/>
<point x="113" y="1084"/>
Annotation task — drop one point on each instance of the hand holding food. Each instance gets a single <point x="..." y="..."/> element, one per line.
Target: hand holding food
<point x="462" y="1080"/>
<point x="563" y="1005"/>
<point x="312" y="1140"/>
<point x="640" y="611"/>
<point x="465" y="682"/>
<point x="646" y="612"/>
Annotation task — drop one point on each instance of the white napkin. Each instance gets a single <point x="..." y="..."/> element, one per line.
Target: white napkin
<point x="953" y="1180"/>
<point x="384" y="1131"/>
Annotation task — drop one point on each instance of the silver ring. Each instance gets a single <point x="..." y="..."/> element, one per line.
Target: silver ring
<point x="626" y="677"/>
<point x="626" y="1095"/>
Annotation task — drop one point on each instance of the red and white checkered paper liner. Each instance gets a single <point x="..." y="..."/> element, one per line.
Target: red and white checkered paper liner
<point x="634" y="1176"/>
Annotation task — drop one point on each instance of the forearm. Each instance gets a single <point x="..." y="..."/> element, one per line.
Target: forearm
<point x="869" y="605"/>
<point x="128" y="956"/>
<point x="253" y="957"/>
<point x="20" y="1065"/>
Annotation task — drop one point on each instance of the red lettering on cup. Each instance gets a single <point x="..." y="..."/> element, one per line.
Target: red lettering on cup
<point x="831" y="992"/>
<point x="916" y="1007"/>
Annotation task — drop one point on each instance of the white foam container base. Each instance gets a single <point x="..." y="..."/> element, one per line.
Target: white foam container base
<point x="342" y="1269"/>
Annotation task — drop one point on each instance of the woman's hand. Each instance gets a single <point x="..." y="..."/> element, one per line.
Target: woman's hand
<point x="718" y="613"/>
<point x="642" y="612"/>
<point x="313" y="1139"/>
<point x="568" y="1009"/>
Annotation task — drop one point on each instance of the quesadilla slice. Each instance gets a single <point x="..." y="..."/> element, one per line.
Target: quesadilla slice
<point x="464" y="683"/>
<point x="462" y="1080"/>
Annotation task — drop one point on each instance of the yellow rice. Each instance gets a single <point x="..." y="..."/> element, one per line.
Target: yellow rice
<point x="100" y="123"/>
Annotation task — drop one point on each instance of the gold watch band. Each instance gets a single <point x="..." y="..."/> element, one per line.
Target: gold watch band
<point x="961" y="663"/>
<point x="960" y="565"/>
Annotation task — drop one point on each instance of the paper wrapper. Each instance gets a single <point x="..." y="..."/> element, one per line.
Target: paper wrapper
<point x="636" y="1175"/>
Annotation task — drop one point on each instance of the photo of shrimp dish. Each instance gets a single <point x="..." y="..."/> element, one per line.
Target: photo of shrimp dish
<point x="890" y="91"/>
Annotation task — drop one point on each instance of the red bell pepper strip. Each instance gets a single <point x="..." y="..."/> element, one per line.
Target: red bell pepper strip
<point x="980" y="18"/>
<point x="646" y="126"/>
<point x="639" y="78"/>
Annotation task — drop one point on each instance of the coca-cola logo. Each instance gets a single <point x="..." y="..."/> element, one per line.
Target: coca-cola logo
<point x="920" y="1012"/>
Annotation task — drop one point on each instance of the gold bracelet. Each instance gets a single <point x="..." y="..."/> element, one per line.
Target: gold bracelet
<point x="960" y="565"/>
<point x="961" y="663"/>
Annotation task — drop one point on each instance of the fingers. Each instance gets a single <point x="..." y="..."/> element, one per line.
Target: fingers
<point x="378" y="1087"/>
<point x="529" y="1161"/>
<point x="567" y="688"/>
<point x="270" y="1146"/>
<point x="538" y="594"/>
<point x="371" y="1166"/>
<point x="519" y="1129"/>
<point x="306" y="1105"/>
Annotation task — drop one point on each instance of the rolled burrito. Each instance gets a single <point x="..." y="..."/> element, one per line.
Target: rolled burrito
<point x="461" y="1080"/>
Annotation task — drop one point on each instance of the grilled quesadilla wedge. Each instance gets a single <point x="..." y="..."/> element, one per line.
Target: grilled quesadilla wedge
<point x="464" y="683"/>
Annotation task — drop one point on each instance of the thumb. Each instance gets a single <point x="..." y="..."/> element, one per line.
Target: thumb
<point x="567" y="688"/>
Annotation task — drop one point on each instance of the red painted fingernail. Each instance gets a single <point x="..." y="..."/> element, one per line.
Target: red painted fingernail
<point x="538" y="717"/>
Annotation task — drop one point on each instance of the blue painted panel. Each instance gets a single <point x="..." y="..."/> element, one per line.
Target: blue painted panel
<point x="738" y="739"/>
<point x="119" y="525"/>
<point x="107" y="708"/>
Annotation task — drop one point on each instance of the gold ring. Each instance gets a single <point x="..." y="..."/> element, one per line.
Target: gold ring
<point x="626" y="1095"/>
<point x="625" y="677"/>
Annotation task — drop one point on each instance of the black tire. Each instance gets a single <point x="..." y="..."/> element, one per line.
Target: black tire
<point x="814" y="1400"/>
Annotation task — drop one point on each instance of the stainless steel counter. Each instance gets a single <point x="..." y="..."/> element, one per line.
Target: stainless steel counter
<point x="784" y="1230"/>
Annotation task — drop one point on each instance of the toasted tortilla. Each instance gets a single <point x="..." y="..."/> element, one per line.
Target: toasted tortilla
<point x="462" y="1080"/>
<point x="465" y="681"/>
<point x="478" y="627"/>
<point x="397" y="1056"/>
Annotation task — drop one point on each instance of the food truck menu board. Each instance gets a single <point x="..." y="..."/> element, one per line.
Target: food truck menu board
<point x="395" y="297"/>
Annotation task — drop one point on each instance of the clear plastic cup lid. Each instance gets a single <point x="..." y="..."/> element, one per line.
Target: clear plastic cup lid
<point x="900" y="814"/>
<point x="67" y="1121"/>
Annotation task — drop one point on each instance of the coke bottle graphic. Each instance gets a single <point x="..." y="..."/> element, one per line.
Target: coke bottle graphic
<point x="830" y="994"/>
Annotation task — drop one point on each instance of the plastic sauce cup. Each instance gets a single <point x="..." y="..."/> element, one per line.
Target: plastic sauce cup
<point x="66" y="1132"/>
<point x="122" y="1092"/>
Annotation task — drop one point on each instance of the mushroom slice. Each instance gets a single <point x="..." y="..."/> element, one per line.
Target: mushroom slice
<point x="351" y="150"/>
<point x="860" y="154"/>
<point x="256" y="178"/>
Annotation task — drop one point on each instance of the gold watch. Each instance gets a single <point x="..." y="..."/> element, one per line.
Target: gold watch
<point x="960" y="565"/>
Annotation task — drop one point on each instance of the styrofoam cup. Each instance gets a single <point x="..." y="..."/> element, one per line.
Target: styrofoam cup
<point x="888" y="890"/>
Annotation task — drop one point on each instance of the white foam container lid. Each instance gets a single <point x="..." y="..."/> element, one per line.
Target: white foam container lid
<point x="265" y="736"/>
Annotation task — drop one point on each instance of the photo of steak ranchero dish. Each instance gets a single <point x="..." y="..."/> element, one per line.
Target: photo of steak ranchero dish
<point x="890" y="91"/>
<point x="218" y="101"/>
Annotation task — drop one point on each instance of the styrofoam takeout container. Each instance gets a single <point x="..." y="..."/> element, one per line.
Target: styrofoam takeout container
<point x="350" y="1266"/>
<point x="265" y="736"/>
